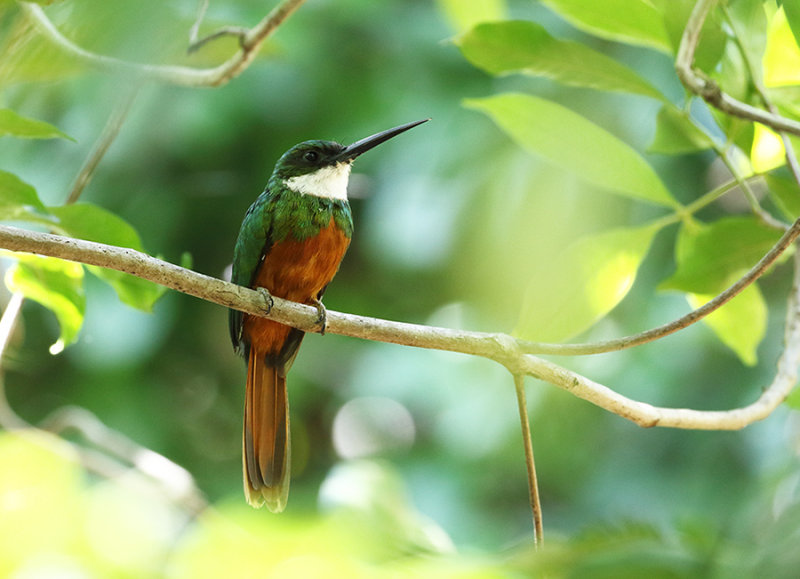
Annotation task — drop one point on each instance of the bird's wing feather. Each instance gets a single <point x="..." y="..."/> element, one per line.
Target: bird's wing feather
<point x="252" y="245"/>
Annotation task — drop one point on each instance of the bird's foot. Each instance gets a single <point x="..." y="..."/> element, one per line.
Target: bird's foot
<point x="268" y="301"/>
<point x="322" y="315"/>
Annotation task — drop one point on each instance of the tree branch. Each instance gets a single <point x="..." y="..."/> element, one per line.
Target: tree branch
<point x="710" y="91"/>
<point x="501" y="348"/>
<point x="180" y="75"/>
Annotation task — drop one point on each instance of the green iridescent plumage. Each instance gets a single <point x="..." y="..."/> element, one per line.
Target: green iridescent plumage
<point x="279" y="214"/>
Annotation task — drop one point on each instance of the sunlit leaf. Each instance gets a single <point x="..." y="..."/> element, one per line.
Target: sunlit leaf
<point x="629" y="21"/>
<point x="15" y="125"/>
<point x="708" y="256"/>
<point x="523" y="46"/>
<point x="677" y="134"/>
<point x="93" y="223"/>
<point x="574" y="144"/>
<point x="464" y="14"/>
<point x="57" y="285"/>
<point x="768" y="151"/>
<point x="740" y="324"/>
<point x="786" y="195"/>
<point x="782" y="54"/>
<point x="582" y="284"/>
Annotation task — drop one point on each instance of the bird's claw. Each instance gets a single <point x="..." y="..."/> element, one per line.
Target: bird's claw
<point x="267" y="298"/>
<point x="322" y="315"/>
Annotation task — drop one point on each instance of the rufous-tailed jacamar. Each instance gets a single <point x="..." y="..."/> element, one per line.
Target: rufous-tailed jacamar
<point x="291" y="242"/>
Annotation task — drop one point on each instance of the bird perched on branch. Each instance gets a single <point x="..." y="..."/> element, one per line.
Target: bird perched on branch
<point x="291" y="243"/>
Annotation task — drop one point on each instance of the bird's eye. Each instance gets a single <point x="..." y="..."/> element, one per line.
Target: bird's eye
<point x="311" y="156"/>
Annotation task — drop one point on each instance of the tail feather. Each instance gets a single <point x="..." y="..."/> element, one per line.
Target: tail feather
<point x="266" y="442"/>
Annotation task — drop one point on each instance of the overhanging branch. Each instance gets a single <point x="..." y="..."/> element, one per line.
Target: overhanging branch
<point x="180" y="75"/>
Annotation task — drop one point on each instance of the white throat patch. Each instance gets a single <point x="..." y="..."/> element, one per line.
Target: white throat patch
<point x="330" y="182"/>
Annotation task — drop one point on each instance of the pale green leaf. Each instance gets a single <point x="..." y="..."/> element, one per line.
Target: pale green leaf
<point x="464" y="14"/>
<point x="523" y="46"/>
<point x="57" y="285"/>
<point x="740" y="324"/>
<point x="574" y="144"/>
<point x="93" y="223"/>
<point x="676" y="134"/>
<point x="709" y="256"/>
<point x="630" y="21"/>
<point x="582" y="284"/>
<point x="15" y="125"/>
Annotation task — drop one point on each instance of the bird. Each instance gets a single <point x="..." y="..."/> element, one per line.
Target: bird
<point x="290" y="244"/>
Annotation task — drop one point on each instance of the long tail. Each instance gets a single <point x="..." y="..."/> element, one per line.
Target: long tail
<point x="267" y="446"/>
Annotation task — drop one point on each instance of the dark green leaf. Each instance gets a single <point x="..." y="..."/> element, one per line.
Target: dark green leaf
<point x="57" y="285"/>
<point x="15" y="125"/>
<point x="677" y="134"/>
<point x="792" y="10"/>
<point x="522" y="46"/>
<point x="582" y="284"/>
<point x="575" y="144"/>
<point x="629" y="21"/>
<point x="710" y="256"/>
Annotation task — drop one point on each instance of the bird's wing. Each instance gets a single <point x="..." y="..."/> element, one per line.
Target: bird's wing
<point x="251" y="248"/>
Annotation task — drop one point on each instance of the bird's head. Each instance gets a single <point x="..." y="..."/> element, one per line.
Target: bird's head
<point x="322" y="168"/>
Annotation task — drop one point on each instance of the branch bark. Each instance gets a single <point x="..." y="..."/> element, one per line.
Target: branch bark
<point x="181" y="75"/>
<point x="499" y="347"/>
<point x="710" y="91"/>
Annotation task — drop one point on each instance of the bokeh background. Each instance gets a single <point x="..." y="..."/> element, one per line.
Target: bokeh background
<point x="397" y="451"/>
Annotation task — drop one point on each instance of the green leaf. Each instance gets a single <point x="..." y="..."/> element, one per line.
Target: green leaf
<point x="713" y="38"/>
<point x="522" y="46"/>
<point x="629" y="21"/>
<point x="785" y="194"/>
<point x="676" y="134"/>
<point x="582" y="284"/>
<point x="709" y="256"/>
<point x="93" y="223"/>
<point x="791" y="8"/>
<point x="57" y="285"/>
<point x="464" y="14"/>
<point x="575" y="144"/>
<point x="16" y="125"/>
<point x="18" y="200"/>
<point x="749" y="21"/>
<point x="740" y="324"/>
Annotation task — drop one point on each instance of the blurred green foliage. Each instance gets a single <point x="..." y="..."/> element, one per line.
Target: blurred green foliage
<point x="466" y="225"/>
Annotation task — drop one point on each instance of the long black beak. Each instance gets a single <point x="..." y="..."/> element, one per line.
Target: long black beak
<point x="352" y="151"/>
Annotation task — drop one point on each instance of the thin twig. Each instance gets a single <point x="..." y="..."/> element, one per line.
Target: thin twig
<point x="179" y="75"/>
<point x="533" y="485"/>
<point x="8" y="418"/>
<point x="104" y="141"/>
<point x="685" y="321"/>
<point x="501" y="348"/>
<point x="709" y="90"/>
